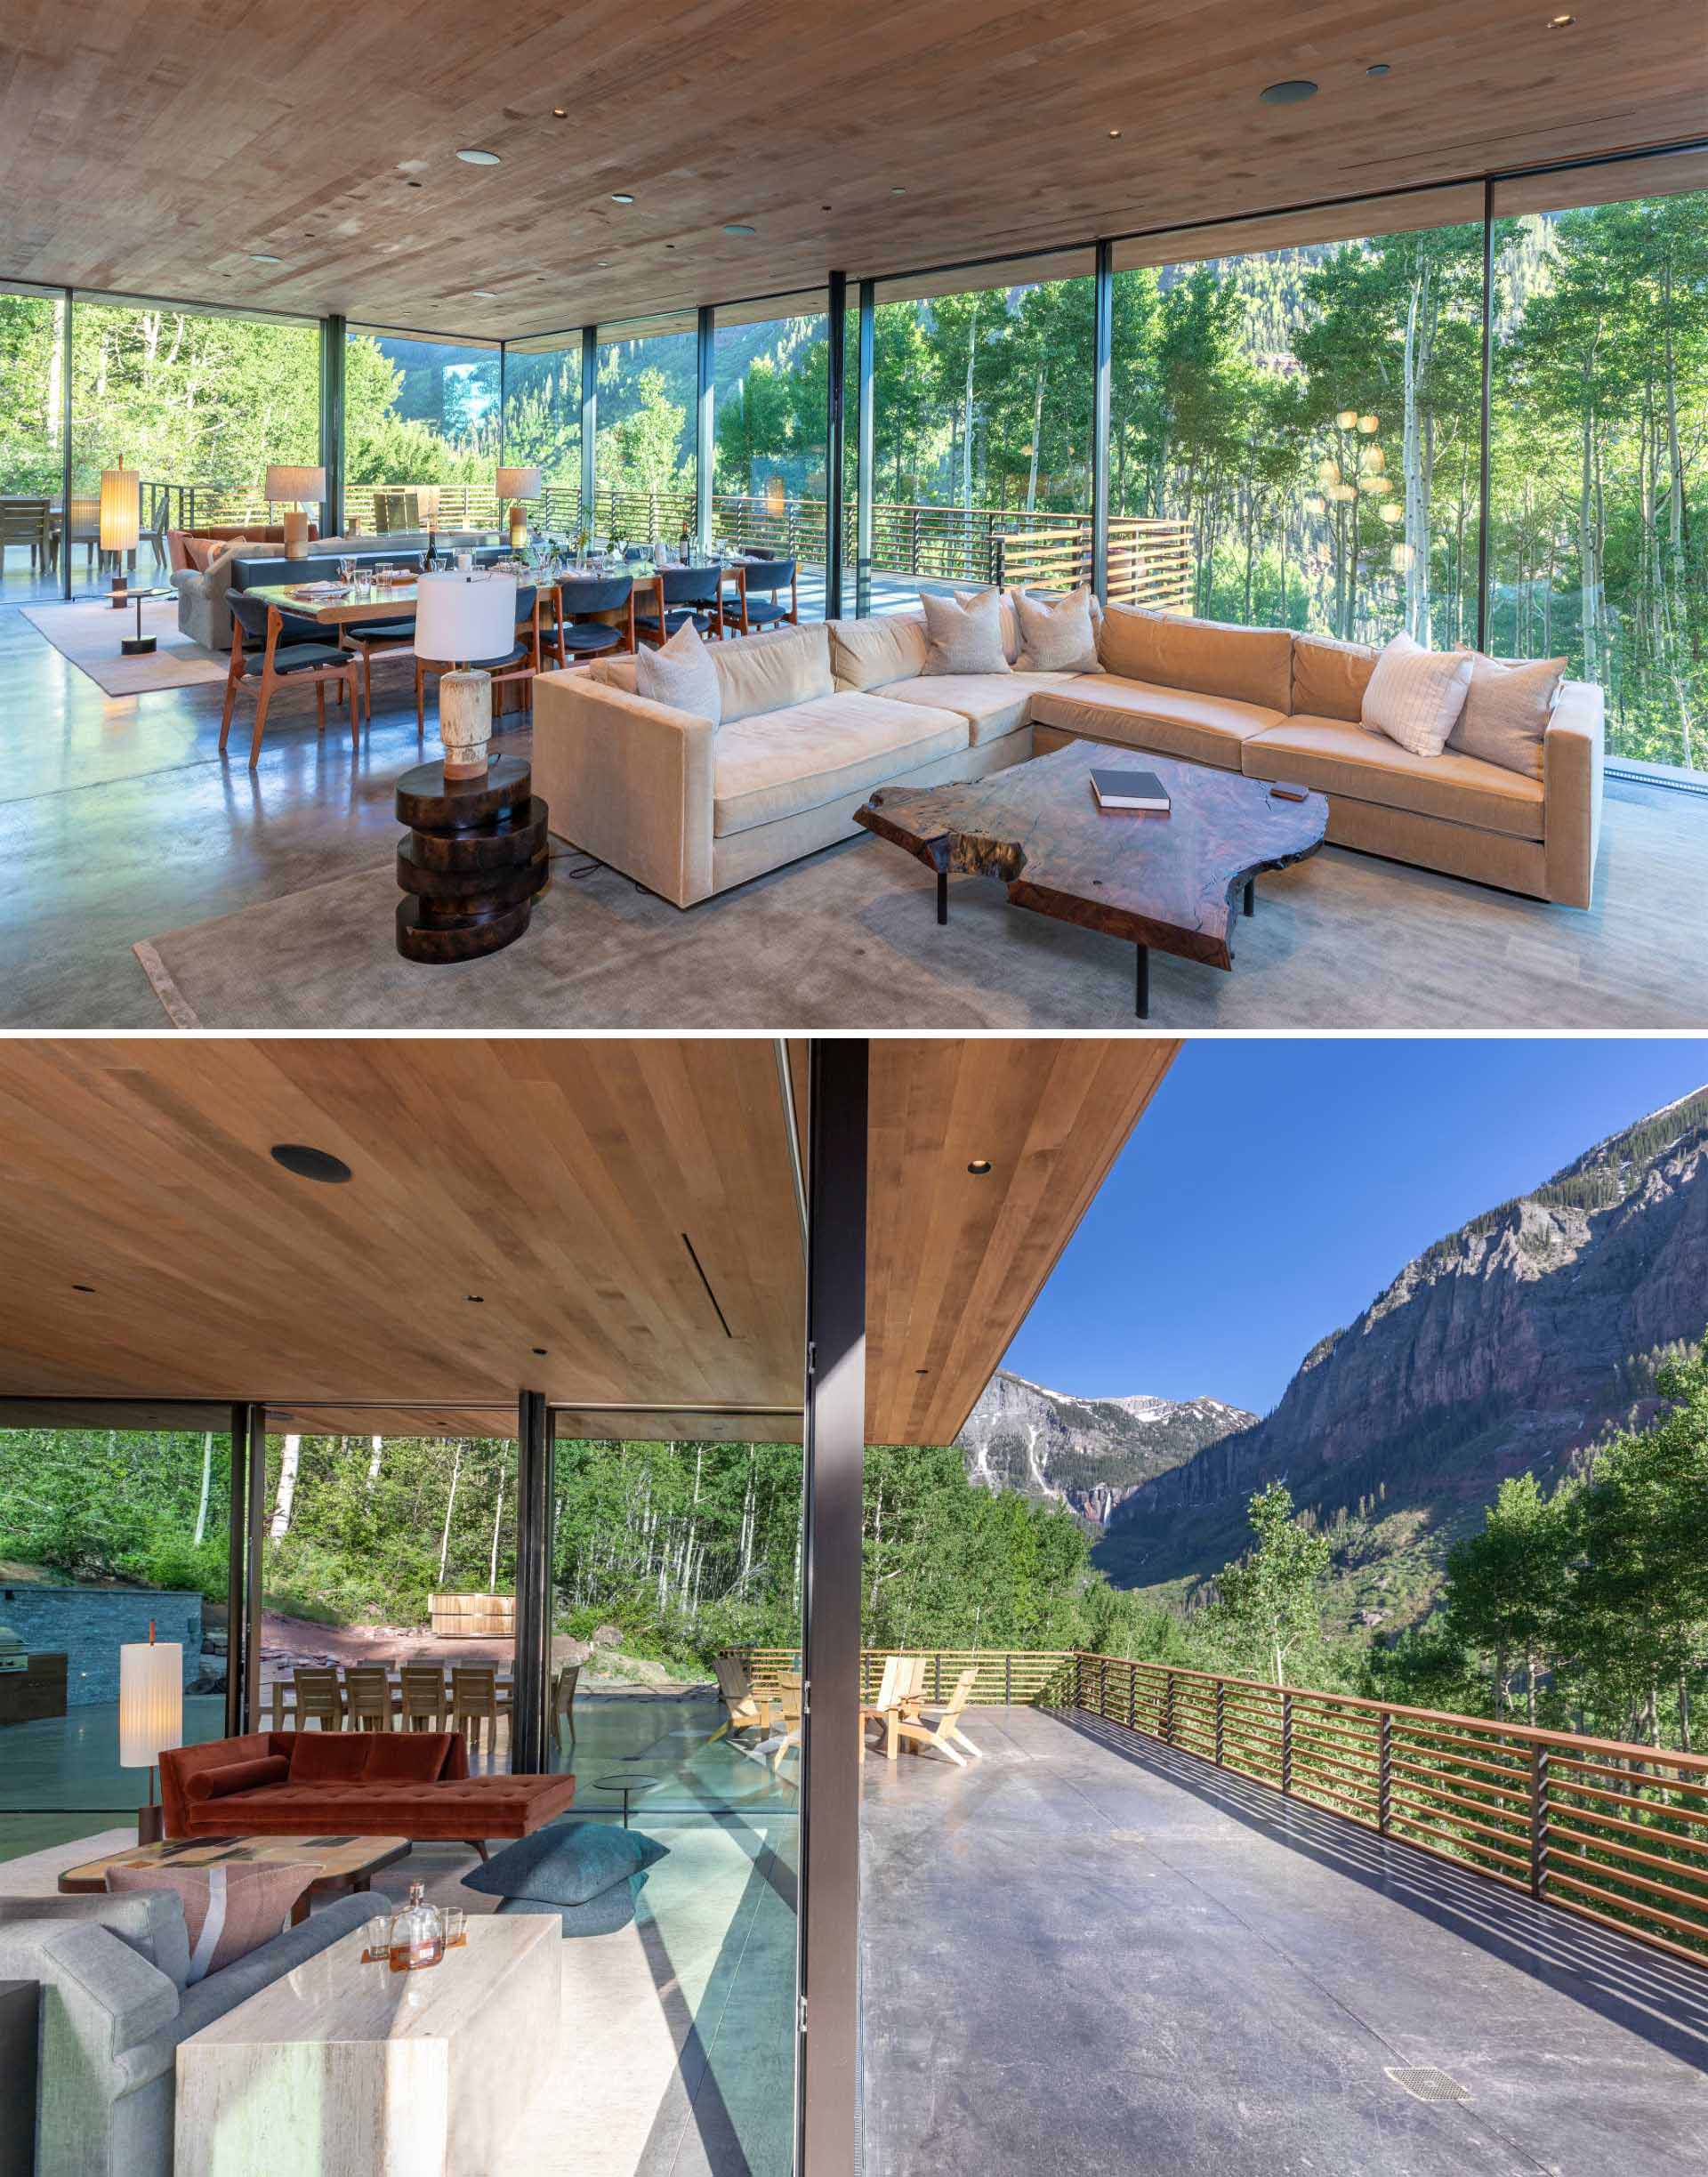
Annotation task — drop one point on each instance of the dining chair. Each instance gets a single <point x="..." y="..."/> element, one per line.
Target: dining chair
<point x="370" y="638"/>
<point x="269" y="649"/>
<point x="563" y="1700"/>
<point x="367" y="1688"/>
<point x="755" y="606"/>
<point x="578" y="637"/>
<point x="421" y="1694"/>
<point x="521" y="662"/>
<point x="475" y="1701"/>
<point x="317" y="1697"/>
<point x="26" y="521"/>
<point x="686" y="593"/>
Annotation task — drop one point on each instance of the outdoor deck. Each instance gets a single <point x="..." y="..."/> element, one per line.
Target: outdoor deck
<point x="1086" y="1955"/>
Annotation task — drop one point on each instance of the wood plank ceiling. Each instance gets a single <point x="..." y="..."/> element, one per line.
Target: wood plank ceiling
<point x="624" y="1210"/>
<point x="156" y="147"/>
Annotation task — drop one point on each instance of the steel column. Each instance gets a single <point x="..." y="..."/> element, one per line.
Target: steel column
<point x="333" y="347"/>
<point x="535" y="1492"/>
<point x="1482" y="471"/>
<point x="835" y="365"/>
<point x="65" y="449"/>
<point x="589" y="424"/>
<point x="1103" y="322"/>
<point x="866" y="442"/>
<point x="705" y="425"/>
<point x="237" y="1615"/>
<point x="254" y="1589"/>
<point x="834" y="1485"/>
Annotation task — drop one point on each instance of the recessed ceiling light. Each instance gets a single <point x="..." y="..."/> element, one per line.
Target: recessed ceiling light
<point x="479" y="158"/>
<point x="475" y="1299"/>
<point x="305" y="1163"/>
<point x="921" y="1372"/>
<point x="825" y="208"/>
<point x="979" y="1167"/>
<point x="1379" y="68"/>
<point x="412" y="185"/>
<point x="481" y="295"/>
<point x="559" y="113"/>
<point x="264" y="256"/>
<point x="621" y="196"/>
<point x="898" y="192"/>
<point x="1115" y="132"/>
<point x="1561" y="22"/>
<point x="83" y="1288"/>
<point x="604" y="264"/>
<point x="540" y="1350"/>
<point x="735" y="226"/>
<point x="1288" y="93"/>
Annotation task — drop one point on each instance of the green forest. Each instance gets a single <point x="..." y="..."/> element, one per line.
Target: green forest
<point x="1584" y="1609"/>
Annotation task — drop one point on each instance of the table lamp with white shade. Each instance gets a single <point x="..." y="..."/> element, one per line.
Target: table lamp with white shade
<point x="517" y="485"/>
<point x="121" y="521"/>
<point x="293" y="488"/>
<point x="461" y="618"/>
<point x="151" y="1716"/>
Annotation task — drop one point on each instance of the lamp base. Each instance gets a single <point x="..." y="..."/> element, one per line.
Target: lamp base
<point x="518" y="527"/>
<point x="465" y="722"/>
<point x="150" y="1823"/>
<point x="296" y="535"/>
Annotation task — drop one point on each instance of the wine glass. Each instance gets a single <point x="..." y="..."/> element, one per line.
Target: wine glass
<point x="347" y="569"/>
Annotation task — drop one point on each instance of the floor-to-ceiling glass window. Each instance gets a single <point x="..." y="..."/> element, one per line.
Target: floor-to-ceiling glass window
<point x="389" y="1555"/>
<point x="109" y="1535"/>
<point x="199" y="403"/>
<point x="32" y="425"/>
<point x="770" y="364"/>
<point x="1599" y="443"/>
<point x="649" y="381"/>
<point x="1295" y="413"/>
<point x="981" y="458"/>
<point x="676" y="1572"/>
<point x="421" y="432"/>
<point x="543" y="424"/>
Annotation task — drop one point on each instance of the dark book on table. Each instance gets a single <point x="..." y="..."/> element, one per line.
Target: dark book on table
<point x="1131" y="790"/>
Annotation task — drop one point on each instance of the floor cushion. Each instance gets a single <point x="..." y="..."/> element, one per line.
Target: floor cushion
<point x="566" y="1863"/>
<point x="1336" y="757"/>
<point x="787" y="761"/>
<point x="611" y="1909"/>
<point x="1173" y="721"/>
<point x="993" y="704"/>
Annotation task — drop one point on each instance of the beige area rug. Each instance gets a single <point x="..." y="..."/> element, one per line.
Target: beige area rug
<point x="89" y="635"/>
<point x="849" y="938"/>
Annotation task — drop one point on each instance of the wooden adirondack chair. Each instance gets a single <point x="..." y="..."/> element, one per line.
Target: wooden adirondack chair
<point x="918" y="1731"/>
<point x="887" y="1709"/>
<point x="748" y="1710"/>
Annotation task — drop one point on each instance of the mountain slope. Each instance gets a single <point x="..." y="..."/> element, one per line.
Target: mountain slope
<point x="1512" y="1343"/>
<point x="1089" y="1454"/>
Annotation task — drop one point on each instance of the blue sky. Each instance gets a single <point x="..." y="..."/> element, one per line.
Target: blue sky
<point x="1274" y="1188"/>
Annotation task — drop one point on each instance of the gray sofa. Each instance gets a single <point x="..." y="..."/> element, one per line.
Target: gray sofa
<point x="115" y="2007"/>
<point x="205" y="617"/>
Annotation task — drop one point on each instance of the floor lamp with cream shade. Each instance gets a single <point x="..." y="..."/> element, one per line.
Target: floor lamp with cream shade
<point x="517" y="485"/>
<point x="121" y="522"/>
<point x="151" y="1716"/>
<point x="293" y="488"/>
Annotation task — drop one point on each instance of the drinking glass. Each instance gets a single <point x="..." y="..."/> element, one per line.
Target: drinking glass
<point x="457" y="1923"/>
<point x="347" y="569"/>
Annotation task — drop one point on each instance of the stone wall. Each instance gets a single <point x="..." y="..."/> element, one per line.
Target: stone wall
<point x="90" y="1625"/>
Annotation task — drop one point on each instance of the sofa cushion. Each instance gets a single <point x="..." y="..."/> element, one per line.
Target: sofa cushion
<point x="965" y="633"/>
<point x="1507" y="709"/>
<point x="1336" y="757"/>
<point x="768" y="672"/>
<point x="788" y="760"/>
<point x="1056" y="634"/>
<point x="405" y="1757"/>
<point x="327" y="1757"/>
<point x="1329" y="677"/>
<point x="868" y="653"/>
<point x="680" y="674"/>
<point x="228" y="1909"/>
<point x="1415" y="696"/>
<point x="993" y="704"/>
<point x="566" y="1862"/>
<point x="1249" y="665"/>
<point x="237" y="1776"/>
<point x="1173" y="721"/>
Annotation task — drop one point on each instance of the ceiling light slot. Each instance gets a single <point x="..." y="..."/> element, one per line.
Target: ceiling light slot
<point x="694" y="1258"/>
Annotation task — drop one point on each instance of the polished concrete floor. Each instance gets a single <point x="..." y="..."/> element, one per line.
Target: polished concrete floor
<point x="119" y="822"/>
<point x="1088" y="1957"/>
<point x="677" y="2049"/>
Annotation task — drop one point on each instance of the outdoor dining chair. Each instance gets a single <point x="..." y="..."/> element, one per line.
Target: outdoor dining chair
<point x="269" y="649"/>
<point x="577" y="637"/>
<point x="27" y="521"/>
<point x="476" y="1700"/>
<point x="755" y="607"/>
<point x="563" y="1700"/>
<point x="367" y="1689"/>
<point x="317" y="1697"/>
<point x="682" y="593"/>
<point x="421" y="1694"/>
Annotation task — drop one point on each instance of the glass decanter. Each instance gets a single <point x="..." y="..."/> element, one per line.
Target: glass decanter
<point x="417" y="1934"/>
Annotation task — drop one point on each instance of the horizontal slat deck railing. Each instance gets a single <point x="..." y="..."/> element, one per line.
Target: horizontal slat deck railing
<point x="1611" y="1830"/>
<point x="1150" y="563"/>
<point x="1007" y="1677"/>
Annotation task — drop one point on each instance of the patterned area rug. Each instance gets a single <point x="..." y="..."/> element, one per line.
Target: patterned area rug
<point x="89" y="634"/>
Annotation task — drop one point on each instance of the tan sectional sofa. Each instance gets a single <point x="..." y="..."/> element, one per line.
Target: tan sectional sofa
<point x="814" y="719"/>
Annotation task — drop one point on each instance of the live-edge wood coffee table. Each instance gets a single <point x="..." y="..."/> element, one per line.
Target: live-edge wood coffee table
<point x="1164" y="880"/>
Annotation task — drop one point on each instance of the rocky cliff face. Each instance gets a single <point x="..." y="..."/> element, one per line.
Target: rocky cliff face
<point x="1511" y="1343"/>
<point x="1089" y="1454"/>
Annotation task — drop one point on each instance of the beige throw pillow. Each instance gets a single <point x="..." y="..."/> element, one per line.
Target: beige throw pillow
<point x="966" y="634"/>
<point x="1506" y="713"/>
<point x="1057" y="633"/>
<point x="757" y="673"/>
<point x="683" y="675"/>
<point x="867" y="653"/>
<point x="1415" y="696"/>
